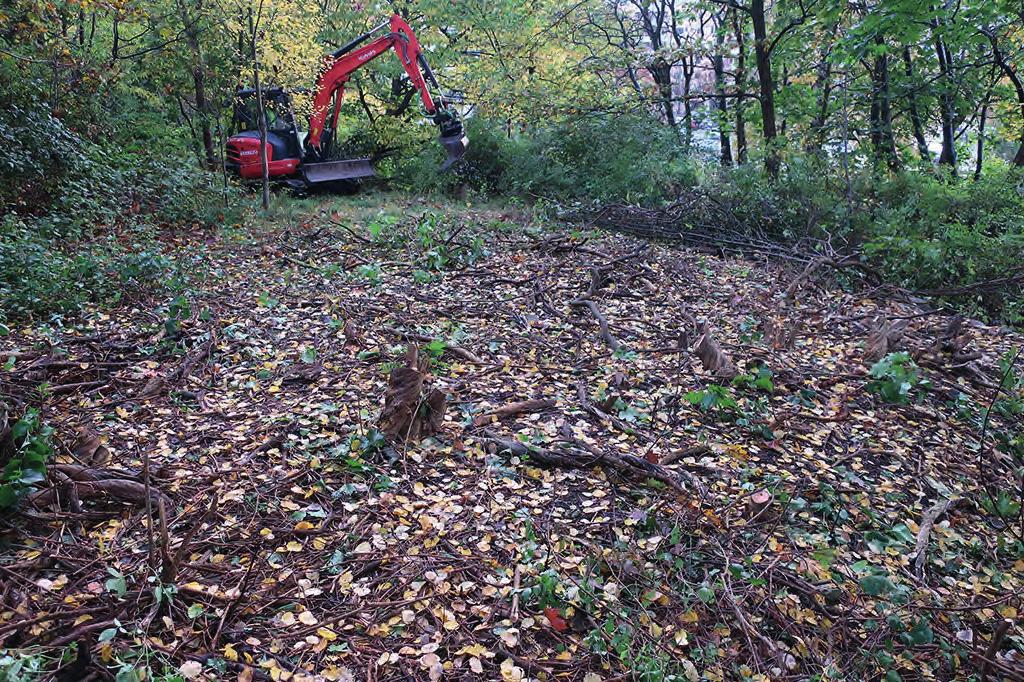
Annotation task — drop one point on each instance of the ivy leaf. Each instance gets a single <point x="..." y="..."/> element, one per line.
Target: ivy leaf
<point x="876" y="585"/>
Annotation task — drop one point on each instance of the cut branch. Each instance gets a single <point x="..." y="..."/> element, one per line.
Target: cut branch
<point x="513" y="410"/>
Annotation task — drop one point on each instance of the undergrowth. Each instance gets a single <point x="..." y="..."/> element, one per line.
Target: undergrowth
<point x="84" y="220"/>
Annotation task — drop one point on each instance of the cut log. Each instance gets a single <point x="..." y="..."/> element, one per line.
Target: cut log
<point x="513" y="410"/>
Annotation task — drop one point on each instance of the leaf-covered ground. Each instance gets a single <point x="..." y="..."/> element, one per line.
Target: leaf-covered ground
<point x="656" y="520"/>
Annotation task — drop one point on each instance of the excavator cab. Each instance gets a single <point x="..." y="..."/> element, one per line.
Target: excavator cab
<point x="305" y="158"/>
<point x="283" y="135"/>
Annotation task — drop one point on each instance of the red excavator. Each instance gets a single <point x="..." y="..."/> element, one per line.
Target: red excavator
<point x="302" y="159"/>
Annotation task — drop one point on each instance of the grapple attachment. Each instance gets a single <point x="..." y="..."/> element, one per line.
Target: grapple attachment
<point x="455" y="146"/>
<point x="453" y="136"/>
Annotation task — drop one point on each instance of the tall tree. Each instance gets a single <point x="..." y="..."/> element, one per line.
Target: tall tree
<point x="718" y="64"/>
<point x="740" y="80"/>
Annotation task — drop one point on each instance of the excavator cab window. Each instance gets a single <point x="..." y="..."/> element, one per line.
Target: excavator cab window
<point x="276" y="103"/>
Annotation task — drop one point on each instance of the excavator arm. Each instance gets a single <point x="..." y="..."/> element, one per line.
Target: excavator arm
<point x="340" y="66"/>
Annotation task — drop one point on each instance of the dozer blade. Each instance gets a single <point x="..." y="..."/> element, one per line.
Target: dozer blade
<point x="456" y="146"/>
<point x="329" y="171"/>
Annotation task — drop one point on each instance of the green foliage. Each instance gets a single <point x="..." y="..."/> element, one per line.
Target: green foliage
<point x="25" y="665"/>
<point x="546" y="591"/>
<point x="82" y="212"/>
<point x="30" y="448"/>
<point x="598" y="158"/>
<point x="714" y="398"/>
<point x="928" y="233"/>
<point x="760" y="379"/>
<point x="40" y="274"/>
<point x="1004" y="504"/>
<point x="895" y="378"/>
<point x="116" y="583"/>
<point x="919" y="229"/>
<point x="370" y="272"/>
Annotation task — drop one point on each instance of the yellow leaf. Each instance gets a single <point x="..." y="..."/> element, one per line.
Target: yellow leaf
<point x="308" y="618"/>
<point x="294" y="546"/>
<point x="230" y="653"/>
<point x="474" y="650"/>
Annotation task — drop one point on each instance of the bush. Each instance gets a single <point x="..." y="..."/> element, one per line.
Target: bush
<point x="896" y="377"/>
<point x="921" y="230"/>
<point x="600" y="158"/>
<point x="39" y="275"/>
<point x="79" y="216"/>
<point x="24" y="451"/>
<point x="931" y="233"/>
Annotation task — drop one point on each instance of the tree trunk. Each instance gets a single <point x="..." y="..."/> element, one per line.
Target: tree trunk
<point x="723" y="133"/>
<point x="979" y="160"/>
<point x="740" y="78"/>
<point x="1018" y="86"/>
<point x="915" y="116"/>
<point x="823" y="85"/>
<point x="689" y="67"/>
<point x="785" y="84"/>
<point x="661" y="72"/>
<point x="881" y="130"/>
<point x="115" y="41"/>
<point x="946" y="113"/>
<point x="261" y="114"/>
<point x="766" y="87"/>
<point x="203" y="108"/>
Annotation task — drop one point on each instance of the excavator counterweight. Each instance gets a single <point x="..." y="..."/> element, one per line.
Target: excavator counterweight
<point x="305" y="158"/>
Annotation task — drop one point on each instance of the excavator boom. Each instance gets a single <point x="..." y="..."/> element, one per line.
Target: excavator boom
<point x="395" y="35"/>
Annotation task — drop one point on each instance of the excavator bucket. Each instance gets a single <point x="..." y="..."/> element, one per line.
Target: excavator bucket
<point x="456" y="146"/>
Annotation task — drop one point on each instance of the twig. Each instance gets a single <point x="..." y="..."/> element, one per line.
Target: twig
<point x="233" y="603"/>
<point x="71" y="388"/>
<point x="149" y="509"/>
<point x="187" y="540"/>
<point x="993" y="647"/>
<point x="590" y="408"/>
<point x="514" y="611"/>
<point x="695" y="451"/>
<point x="587" y="456"/>
<point x="602" y="322"/>
<point x="927" y="522"/>
<point x="355" y="235"/>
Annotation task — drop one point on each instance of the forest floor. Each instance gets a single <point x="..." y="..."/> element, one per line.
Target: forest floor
<point x="714" y="488"/>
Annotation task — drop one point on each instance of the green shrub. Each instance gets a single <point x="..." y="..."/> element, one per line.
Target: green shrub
<point x="41" y="274"/>
<point x="896" y="377"/>
<point x="28" y="448"/>
<point x="919" y="229"/>
<point x="599" y="158"/>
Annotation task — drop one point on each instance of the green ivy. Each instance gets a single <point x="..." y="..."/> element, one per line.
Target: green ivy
<point x="29" y="439"/>
<point x="895" y="378"/>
